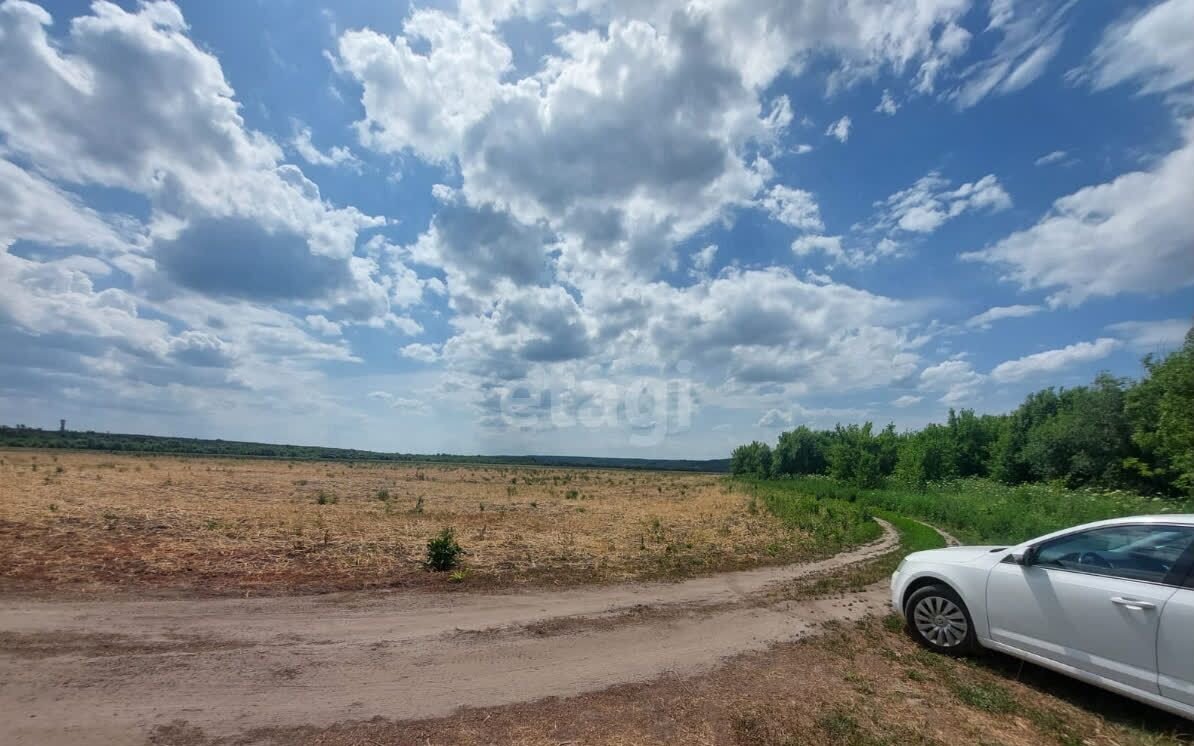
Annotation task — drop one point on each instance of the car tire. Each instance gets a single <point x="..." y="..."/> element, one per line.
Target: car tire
<point x="938" y="619"/>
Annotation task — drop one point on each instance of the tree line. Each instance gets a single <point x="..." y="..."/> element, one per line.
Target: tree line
<point x="20" y="436"/>
<point x="1115" y="433"/>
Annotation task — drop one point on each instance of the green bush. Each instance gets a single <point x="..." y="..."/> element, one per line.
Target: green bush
<point x="443" y="553"/>
<point x="831" y="521"/>
<point x="983" y="510"/>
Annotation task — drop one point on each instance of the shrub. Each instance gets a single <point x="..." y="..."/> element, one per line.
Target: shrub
<point x="752" y="460"/>
<point x="443" y="553"/>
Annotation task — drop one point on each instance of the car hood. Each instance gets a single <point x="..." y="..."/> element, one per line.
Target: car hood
<point x="955" y="555"/>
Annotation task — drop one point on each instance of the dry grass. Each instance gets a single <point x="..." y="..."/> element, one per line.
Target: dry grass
<point x="87" y="521"/>
<point x="862" y="684"/>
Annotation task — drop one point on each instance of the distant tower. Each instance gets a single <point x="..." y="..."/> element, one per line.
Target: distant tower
<point x="62" y="426"/>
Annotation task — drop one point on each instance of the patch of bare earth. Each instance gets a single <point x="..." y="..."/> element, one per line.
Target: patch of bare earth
<point x="863" y="684"/>
<point x="87" y="522"/>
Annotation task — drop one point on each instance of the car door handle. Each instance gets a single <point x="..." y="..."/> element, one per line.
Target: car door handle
<point x="1132" y="603"/>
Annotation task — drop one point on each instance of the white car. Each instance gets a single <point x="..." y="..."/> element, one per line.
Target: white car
<point x="1110" y="603"/>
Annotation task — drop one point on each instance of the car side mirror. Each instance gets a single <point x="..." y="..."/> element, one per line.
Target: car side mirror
<point x="1024" y="557"/>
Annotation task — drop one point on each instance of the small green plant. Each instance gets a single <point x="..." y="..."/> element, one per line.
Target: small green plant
<point x="458" y="576"/>
<point x="443" y="552"/>
<point x="571" y="495"/>
<point x="383" y="494"/>
<point x="323" y="497"/>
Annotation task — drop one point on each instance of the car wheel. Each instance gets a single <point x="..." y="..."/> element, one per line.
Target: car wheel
<point x="938" y="619"/>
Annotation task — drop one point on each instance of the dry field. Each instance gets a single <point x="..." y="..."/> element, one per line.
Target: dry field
<point x="86" y="522"/>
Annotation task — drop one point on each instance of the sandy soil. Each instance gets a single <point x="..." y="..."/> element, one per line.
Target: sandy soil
<point x="117" y="671"/>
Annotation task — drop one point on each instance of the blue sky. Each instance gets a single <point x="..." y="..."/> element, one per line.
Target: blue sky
<point x="597" y="227"/>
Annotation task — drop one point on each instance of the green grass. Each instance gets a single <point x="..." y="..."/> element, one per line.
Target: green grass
<point x="832" y="524"/>
<point x="981" y="510"/>
<point x="914" y="537"/>
<point x="985" y="696"/>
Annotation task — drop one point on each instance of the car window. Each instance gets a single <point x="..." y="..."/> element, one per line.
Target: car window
<point x="1132" y="551"/>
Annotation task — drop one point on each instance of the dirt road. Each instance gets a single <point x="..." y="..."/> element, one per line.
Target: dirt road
<point x="110" y="672"/>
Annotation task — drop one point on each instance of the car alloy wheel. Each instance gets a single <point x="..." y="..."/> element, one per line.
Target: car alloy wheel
<point x="937" y="618"/>
<point x="940" y="621"/>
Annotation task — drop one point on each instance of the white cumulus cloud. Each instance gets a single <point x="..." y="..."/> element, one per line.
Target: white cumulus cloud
<point x="1152" y="336"/>
<point x="1050" y="158"/>
<point x="1152" y="48"/>
<point x="1131" y="234"/>
<point x="930" y="203"/>
<point x="840" y="129"/>
<point x="1052" y="361"/>
<point x="985" y="319"/>
<point x="955" y="380"/>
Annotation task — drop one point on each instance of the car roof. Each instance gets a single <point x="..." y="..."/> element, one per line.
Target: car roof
<point x="1181" y="519"/>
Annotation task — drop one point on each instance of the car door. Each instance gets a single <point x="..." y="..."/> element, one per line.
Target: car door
<point x="1175" y="641"/>
<point x="1092" y="599"/>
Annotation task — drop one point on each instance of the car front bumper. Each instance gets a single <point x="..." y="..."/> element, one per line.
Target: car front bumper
<point x="897" y="589"/>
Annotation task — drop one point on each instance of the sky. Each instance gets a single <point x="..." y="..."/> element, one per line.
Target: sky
<point x="593" y="227"/>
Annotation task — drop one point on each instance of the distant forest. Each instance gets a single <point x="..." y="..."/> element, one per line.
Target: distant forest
<point x="31" y="437"/>
<point x="1115" y="433"/>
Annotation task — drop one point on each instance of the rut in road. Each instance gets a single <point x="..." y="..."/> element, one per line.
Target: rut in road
<point x="103" y="672"/>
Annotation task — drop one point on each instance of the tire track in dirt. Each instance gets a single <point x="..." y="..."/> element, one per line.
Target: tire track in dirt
<point x="266" y="662"/>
